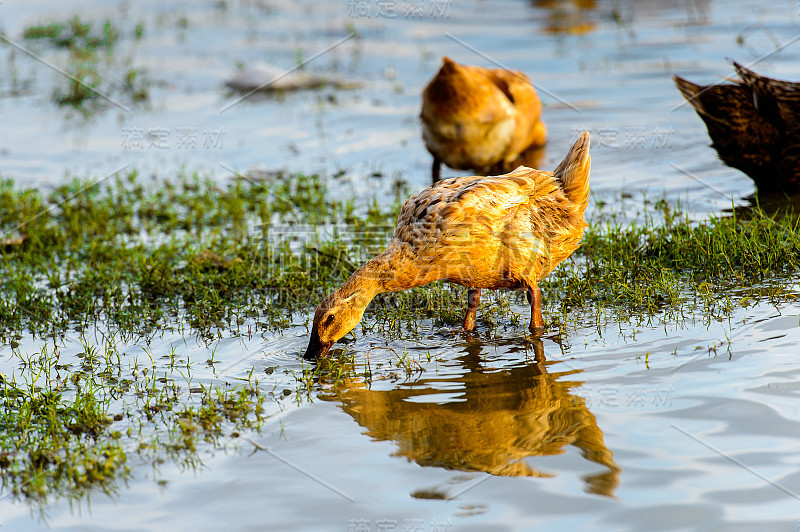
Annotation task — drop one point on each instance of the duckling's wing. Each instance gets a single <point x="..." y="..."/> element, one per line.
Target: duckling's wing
<point x="498" y="194"/>
<point x="742" y="137"/>
<point x="473" y="205"/>
<point x="449" y="196"/>
<point x="777" y="100"/>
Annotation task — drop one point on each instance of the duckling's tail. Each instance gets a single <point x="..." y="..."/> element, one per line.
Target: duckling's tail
<point x="573" y="172"/>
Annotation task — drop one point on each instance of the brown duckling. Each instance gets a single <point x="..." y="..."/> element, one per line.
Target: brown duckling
<point x="480" y="119"/>
<point x="753" y="125"/>
<point x="501" y="232"/>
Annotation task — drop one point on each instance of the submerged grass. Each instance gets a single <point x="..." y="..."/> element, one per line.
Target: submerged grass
<point x="138" y="257"/>
<point x="91" y="47"/>
<point x="66" y="428"/>
<point x="142" y="257"/>
<point x="135" y="257"/>
<point x="54" y="434"/>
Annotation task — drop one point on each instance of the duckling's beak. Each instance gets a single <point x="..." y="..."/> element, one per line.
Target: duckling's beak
<point x="316" y="349"/>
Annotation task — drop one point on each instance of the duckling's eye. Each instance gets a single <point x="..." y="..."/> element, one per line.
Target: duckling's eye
<point x="328" y="320"/>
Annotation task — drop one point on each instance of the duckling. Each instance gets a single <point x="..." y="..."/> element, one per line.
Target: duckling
<point x="479" y="119"/>
<point x="753" y="125"/>
<point x="501" y="232"/>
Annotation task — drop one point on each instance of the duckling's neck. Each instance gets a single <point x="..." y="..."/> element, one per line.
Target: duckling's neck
<point x="384" y="273"/>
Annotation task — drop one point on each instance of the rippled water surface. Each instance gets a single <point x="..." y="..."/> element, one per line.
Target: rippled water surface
<point x="625" y="426"/>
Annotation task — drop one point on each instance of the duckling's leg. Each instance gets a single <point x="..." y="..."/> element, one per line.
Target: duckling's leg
<point x="436" y="169"/>
<point x="473" y="300"/>
<point x="535" y="298"/>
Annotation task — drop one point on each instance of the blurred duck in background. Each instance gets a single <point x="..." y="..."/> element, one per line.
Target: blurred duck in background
<point x="480" y="119"/>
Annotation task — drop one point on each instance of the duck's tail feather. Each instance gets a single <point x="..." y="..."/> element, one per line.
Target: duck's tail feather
<point x="776" y="88"/>
<point x="573" y="171"/>
<point x="691" y="92"/>
<point x="777" y="100"/>
<point x="751" y="78"/>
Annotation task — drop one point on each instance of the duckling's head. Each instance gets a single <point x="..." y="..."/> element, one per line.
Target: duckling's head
<point x="335" y="317"/>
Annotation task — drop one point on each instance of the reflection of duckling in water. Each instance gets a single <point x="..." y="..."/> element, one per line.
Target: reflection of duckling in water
<point x="503" y="232"/>
<point x="754" y="125"/>
<point x="480" y="119"/>
<point x="500" y="419"/>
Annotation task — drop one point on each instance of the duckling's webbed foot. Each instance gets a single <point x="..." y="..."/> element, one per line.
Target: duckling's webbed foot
<point x="473" y="301"/>
<point x="535" y="298"/>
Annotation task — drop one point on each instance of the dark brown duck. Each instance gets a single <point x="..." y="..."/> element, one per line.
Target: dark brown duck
<point x="753" y="125"/>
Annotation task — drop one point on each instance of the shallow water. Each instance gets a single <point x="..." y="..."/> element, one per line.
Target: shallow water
<point x="673" y="428"/>
<point x="622" y="426"/>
